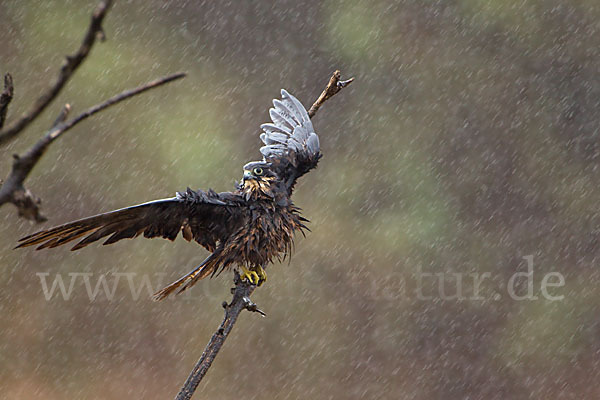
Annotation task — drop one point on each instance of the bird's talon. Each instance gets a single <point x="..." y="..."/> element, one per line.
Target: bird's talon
<point x="262" y="275"/>
<point x="250" y="276"/>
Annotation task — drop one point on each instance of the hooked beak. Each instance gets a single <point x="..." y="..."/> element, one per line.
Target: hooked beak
<point x="248" y="175"/>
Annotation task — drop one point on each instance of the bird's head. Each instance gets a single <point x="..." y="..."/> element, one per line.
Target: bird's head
<point x="258" y="170"/>
<point x="258" y="179"/>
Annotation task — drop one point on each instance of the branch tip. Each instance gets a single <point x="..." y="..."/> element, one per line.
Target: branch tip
<point x="8" y="85"/>
<point x="6" y="97"/>
<point x="343" y="84"/>
<point x="334" y="86"/>
<point x="101" y="35"/>
<point x="28" y="205"/>
<point x="62" y="116"/>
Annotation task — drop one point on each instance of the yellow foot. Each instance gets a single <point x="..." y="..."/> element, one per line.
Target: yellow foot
<point x="250" y="276"/>
<point x="262" y="275"/>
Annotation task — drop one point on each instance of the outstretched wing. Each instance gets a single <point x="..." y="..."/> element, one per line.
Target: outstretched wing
<point x="206" y="217"/>
<point x="291" y="144"/>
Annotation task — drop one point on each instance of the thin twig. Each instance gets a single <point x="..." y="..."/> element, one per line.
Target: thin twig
<point x="334" y="86"/>
<point x="13" y="191"/>
<point x="62" y="116"/>
<point x="69" y="66"/>
<point x="242" y="290"/>
<point x="113" y="100"/>
<point x="5" y="98"/>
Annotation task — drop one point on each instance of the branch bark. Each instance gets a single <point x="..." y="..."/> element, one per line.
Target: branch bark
<point x="242" y="290"/>
<point x="241" y="300"/>
<point x="13" y="190"/>
<point x="5" y="98"/>
<point x="334" y="86"/>
<point x="67" y="70"/>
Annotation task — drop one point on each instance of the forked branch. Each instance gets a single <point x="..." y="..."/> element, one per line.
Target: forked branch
<point x="243" y="290"/>
<point x="13" y="190"/>
<point x="70" y="65"/>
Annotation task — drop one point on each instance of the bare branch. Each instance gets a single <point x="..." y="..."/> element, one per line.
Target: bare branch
<point x="69" y="66"/>
<point x="62" y="116"/>
<point x="58" y="130"/>
<point x="334" y="86"/>
<point x="240" y="301"/>
<point x="243" y="290"/>
<point x="13" y="191"/>
<point x="5" y="98"/>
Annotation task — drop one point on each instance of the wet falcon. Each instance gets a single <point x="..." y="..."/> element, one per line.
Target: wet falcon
<point x="245" y="229"/>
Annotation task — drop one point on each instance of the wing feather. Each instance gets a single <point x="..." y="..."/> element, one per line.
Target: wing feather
<point x="208" y="216"/>
<point x="291" y="143"/>
<point x="291" y="127"/>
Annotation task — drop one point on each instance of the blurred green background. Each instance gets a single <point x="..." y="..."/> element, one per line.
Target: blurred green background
<point x="469" y="140"/>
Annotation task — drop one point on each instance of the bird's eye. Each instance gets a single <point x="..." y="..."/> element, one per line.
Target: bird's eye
<point x="258" y="171"/>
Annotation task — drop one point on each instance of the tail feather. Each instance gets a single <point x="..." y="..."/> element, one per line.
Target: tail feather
<point x="210" y="264"/>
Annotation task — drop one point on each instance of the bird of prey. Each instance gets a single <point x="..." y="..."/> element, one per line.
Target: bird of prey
<point x="245" y="229"/>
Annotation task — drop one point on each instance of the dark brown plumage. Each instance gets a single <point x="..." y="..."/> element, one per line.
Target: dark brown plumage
<point x="247" y="228"/>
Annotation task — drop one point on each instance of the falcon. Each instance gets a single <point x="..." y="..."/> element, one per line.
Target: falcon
<point x="246" y="228"/>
